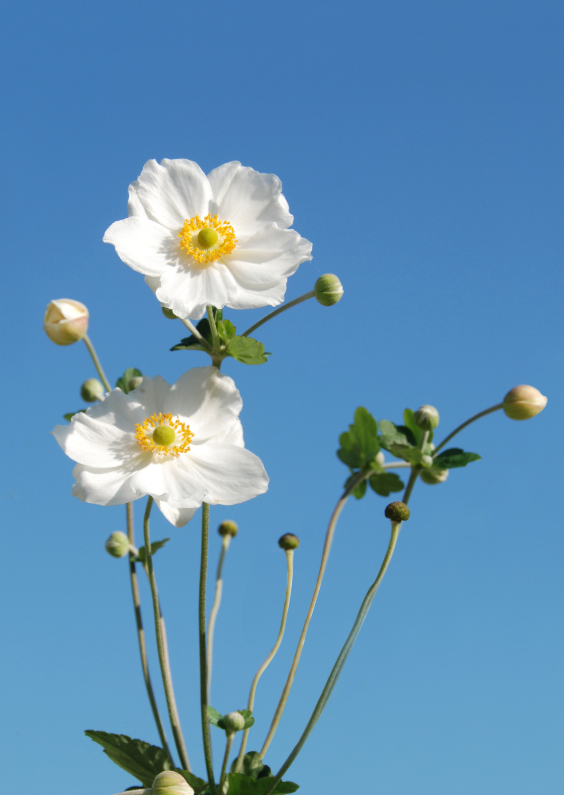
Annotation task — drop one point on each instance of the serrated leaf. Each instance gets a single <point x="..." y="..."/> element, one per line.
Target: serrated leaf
<point x="155" y="546"/>
<point x="351" y="458"/>
<point x="68" y="417"/>
<point x="140" y="759"/>
<point x="384" y="483"/>
<point x="247" y="350"/>
<point x="364" y="420"/>
<point x="226" y="330"/>
<point x="197" y="784"/>
<point x="240" y="784"/>
<point x="214" y="716"/>
<point x="252" y="765"/>
<point x="455" y="457"/>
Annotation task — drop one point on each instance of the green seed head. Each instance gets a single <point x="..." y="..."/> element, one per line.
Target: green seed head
<point x="233" y="722"/>
<point x="427" y="417"/>
<point x="207" y="237"/>
<point x="523" y="402"/>
<point x="432" y="476"/>
<point x="163" y="435"/>
<point x="228" y="529"/>
<point x="328" y="289"/>
<point x="397" y="512"/>
<point x="289" y="541"/>
<point x="171" y="783"/>
<point x="117" y="544"/>
<point x="92" y="390"/>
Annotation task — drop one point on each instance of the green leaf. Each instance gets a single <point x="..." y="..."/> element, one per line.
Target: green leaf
<point x="204" y="328"/>
<point x="240" y="784"/>
<point x="226" y="330"/>
<point x="384" y="483"/>
<point x="365" y="422"/>
<point x="359" y="490"/>
<point x="197" y="784"/>
<point x="140" y="759"/>
<point x="214" y="716"/>
<point x="247" y="350"/>
<point x="390" y="434"/>
<point x="131" y="372"/>
<point x="68" y="417"/>
<point x="455" y="457"/>
<point x="155" y="546"/>
<point x="406" y="452"/>
<point x="364" y="434"/>
<point x="409" y="420"/>
<point x="247" y="714"/>
<point x="252" y="765"/>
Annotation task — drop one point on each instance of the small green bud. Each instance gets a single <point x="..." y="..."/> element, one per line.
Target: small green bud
<point x="91" y="390"/>
<point x="117" y="544"/>
<point x="168" y="313"/>
<point x="134" y="382"/>
<point x="289" y="541"/>
<point x="427" y="460"/>
<point x="523" y="402"/>
<point x="328" y="289"/>
<point x="171" y="783"/>
<point x="432" y="476"/>
<point x="228" y="528"/>
<point x="207" y="237"/>
<point x="397" y="512"/>
<point x="427" y="417"/>
<point x="233" y="722"/>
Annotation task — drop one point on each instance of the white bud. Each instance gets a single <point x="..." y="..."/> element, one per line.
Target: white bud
<point x="65" y="321"/>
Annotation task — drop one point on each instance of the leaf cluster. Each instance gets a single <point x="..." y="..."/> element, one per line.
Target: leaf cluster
<point x="123" y="381"/>
<point x="244" y="349"/>
<point x="216" y="718"/>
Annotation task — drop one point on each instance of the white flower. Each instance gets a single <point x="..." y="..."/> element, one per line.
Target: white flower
<point x="221" y="240"/>
<point x="181" y="444"/>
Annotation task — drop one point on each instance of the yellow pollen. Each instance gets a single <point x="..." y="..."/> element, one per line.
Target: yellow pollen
<point x="207" y="240"/>
<point x="157" y="433"/>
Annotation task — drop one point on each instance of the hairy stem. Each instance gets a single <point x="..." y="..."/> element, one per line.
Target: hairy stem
<point x="215" y="607"/>
<point x="228" y="745"/>
<point x="203" y="656"/>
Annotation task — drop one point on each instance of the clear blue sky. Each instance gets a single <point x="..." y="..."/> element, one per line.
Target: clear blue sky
<point x="419" y="144"/>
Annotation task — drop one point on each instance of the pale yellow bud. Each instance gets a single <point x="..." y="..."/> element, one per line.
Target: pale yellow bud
<point x="65" y="321"/>
<point x="433" y="476"/>
<point x="171" y="783"/>
<point x="523" y="402"/>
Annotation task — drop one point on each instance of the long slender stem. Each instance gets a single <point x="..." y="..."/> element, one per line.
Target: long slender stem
<point x="283" y="308"/>
<point x="324" y="558"/>
<point x="228" y="745"/>
<point x="97" y="365"/>
<point x="464" y="424"/>
<point x="136" y="792"/>
<point x="203" y="655"/>
<point x="141" y="634"/>
<point x="192" y="328"/>
<point x="342" y="658"/>
<point x="266" y="663"/>
<point x="215" y="607"/>
<point x="161" y="645"/>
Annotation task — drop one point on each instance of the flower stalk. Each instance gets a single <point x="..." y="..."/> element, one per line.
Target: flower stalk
<point x="283" y="308"/>
<point x="203" y="651"/>
<point x="225" y="541"/>
<point x="96" y="361"/>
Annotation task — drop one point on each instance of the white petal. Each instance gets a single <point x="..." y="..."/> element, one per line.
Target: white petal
<point x="94" y="443"/>
<point x="151" y="395"/>
<point x="232" y="435"/>
<point x="176" y="516"/>
<point x="117" y="409"/>
<point x="144" y="245"/>
<point x="232" y="474"/>
<point x="172" y="192"/>
<point x="103" y="486"/>
<point x="188" y="290"/>
<point x="268" y="258"/>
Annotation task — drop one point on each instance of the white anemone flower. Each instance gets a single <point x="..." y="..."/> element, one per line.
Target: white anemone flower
<point x="221" y="239"/>
<point x="180" y="444"/>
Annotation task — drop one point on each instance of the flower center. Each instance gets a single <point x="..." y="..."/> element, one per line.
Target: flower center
<point x="207" y="239"/>
<point x="163" y="435"/>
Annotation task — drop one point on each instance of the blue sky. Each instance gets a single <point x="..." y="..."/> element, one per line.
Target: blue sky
<point x="419" y="145"/>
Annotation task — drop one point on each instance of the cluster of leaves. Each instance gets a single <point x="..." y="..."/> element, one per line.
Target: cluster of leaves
<point x="144" y="762"/>
<point x="216" y="718"/>
<point x="244" y="349"/>
<point x="123" y="382"/>
<point x="366" y="437"/>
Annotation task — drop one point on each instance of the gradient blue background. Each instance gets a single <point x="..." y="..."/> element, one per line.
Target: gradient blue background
<point x="419" y="144"/>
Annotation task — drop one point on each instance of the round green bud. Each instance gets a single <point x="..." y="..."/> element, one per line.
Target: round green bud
<point x="134" y="382"/>
<point x="397" y="512"/>
<point x="92" y="390"/>
<point x="171" y="783"/>
<point x="427" y="417"/>
<point x="523" y="402"/>
<point x="117" y="544"/>
<point x="168" y="313"/>
<point x="433" y="476"/>
<point x="207" y="237"/>
<point x="328" y="289"/>
<point x="163" y="435"/>
<point x="233" y="722"/>
<point x="289" y="541"/>
<point x="228" y="529"/>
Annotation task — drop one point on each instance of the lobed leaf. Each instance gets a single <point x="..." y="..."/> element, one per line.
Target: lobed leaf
<point x="155" y="546"/>
<point x="455" y="457"/>
<point x="142" y="760"/>
<point x="384" y="483"/>
<point x="247" y="350"/>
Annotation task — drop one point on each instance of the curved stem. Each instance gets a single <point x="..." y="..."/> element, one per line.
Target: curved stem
<point x="464" y="424"/>
<point x="215" y="607"/>
<point x="342" y="658"/>
<point x="228" y="745"/>
<point x="324" y="558"/>
<point x="203" y="658"/>
<point x="192" y="328"/>
<point x="161" y="645"/>
<point x="289" y="305"/>
<point x="141" y="634"/>
<point x="266" y="663"/>
<point x="97" y="365"/>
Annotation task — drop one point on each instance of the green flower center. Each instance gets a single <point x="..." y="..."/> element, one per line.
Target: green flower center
<point x="163" y="435"/>
<point x="207" y="237"/>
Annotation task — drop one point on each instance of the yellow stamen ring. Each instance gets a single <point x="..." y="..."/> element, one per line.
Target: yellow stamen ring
<point x="207" y="239"/>
<point x="158" y="433"/>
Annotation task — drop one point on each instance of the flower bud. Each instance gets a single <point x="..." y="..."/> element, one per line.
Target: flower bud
<point x="233" y="722"/>
<point x="289" y="541"/>
<point x="171" y="783"/>
<point x="380" y="458"/>
<point x="92" y="390"/>
<point x="65" y="321"/>
<point x="328" y="289"/>
<point x="169" y="313"/>
<point x="134" y="382"/>
<point x="397" y="512"/>
<point x="427" y="418"/>
<point x="432" y="476"/>
<point x="427" y="460"/>
<point x="117" y="544"/>
<point x="228" y="529"/>
<point x="523" y="402"/>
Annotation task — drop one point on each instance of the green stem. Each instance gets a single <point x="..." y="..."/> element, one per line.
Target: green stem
<point x="97" y="364"/>
<point x="136" y="792"/>
<point x="266" y="663"/>
<point x="141" y="634"/>
<point x="215" y="607"/>
<point x="342" y="658"/>
<point x="203" y="656"/>
<point x="192" y="328"/>
<point x="228" y="745"/>
<point x="324" y="558"/>
<point x="415" y="470"/>
<point x="289" y="305"/>
<point x="161" y="645"/>
<point x="464" y="424"/>
<point x="215" y="353"/>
